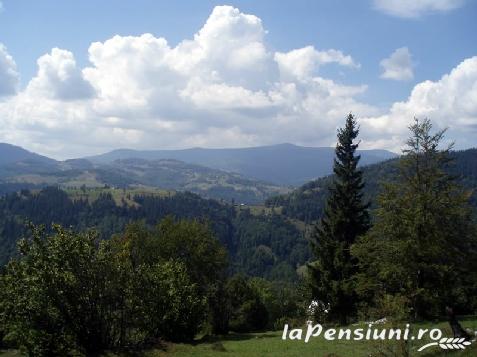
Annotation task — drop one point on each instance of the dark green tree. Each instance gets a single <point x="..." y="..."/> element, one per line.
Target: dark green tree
<point x="419" y="256"/>
<point x="345" y="219"/>
<point x="193" y="245"/>
<point x="247" y="310"/>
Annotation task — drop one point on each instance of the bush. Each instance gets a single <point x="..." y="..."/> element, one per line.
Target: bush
<point x="283" y="300"/>
<point x="169" y="303"/>
<point x="69" y="295"/>
<point x="248" y="313"/>
<point x="49" y="297"/>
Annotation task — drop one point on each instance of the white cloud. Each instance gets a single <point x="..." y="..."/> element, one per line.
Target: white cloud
<point x="416" y="8"/>
<point x="398" y="66"/>
<point x="449" y="102"/>
<point x="222" y="96"/>
<point x="9" y="77"/>
<point x="305" y="62"/>
<point x="223" y="88"/>
<point x="59" y="78"/>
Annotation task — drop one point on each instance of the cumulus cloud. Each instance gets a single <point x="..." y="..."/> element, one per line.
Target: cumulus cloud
<point x="9" y="77"/>
<point x="59" y="78"/>
<point x="222" y="88"/>
<point x="304" y="62"/>
<point x="398" y="66"/>
<point x="450" y="102"/>
<point x="416" y="8"/>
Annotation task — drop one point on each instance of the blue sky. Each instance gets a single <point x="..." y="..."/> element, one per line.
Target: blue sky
<point x="435" y="37"/>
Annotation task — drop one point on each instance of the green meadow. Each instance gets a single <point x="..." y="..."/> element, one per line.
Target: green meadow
<point x="271" y="344"/>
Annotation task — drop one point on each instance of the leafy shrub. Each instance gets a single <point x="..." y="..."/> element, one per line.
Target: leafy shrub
<point x="69" y="295"/>
<point x="248" y="313"/>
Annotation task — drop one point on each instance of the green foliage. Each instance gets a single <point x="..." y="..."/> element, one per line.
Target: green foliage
<point x="248" y="313"/>
<point x="422" y="246"/>
<point x="345" y="219"/>
<point x="188" y="242"/>
<point x="269" y="247"/>
<point x="50" y="297"/>
<point x="284" y="301"/>
<point x="68" y="295"/>
<point x="166" y="303"/>
<point x="282" y="245"/>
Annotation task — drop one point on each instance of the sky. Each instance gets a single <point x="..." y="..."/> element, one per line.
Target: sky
<point x="82" y="78"/>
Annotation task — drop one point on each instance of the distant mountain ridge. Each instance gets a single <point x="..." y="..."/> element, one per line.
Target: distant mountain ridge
<point x="11" y="153"/>
<point x="283" y="164"/>
<point x="247" y="175"/>
<point x="20" y="168"/>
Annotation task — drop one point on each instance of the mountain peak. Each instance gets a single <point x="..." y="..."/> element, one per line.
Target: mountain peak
<point x="10" y="154"/>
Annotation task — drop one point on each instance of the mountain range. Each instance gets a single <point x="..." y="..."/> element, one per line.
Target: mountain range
<point x="248" y="175"/>
<point x="282" y="164"/>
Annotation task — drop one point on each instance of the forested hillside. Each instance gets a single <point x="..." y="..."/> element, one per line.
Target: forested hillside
<point x="259" y="244"/>
<point x="307" y="202"/>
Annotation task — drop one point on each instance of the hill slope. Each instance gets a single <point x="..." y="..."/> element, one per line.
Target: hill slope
<point x="248" y="175"/>
<point x="10" y="154"/>
<point x="307" y="202"/>
<point x="259" y="244"/>
<point x="283" y="164"/>
<point x="16" y="160"/>
<point x="22" y="169"/>
<point x="178" y="175"/>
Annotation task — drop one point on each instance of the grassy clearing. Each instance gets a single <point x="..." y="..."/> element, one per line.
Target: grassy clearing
<point x="119" y="195"/>
<point x="258" y="210"/>
<point x="271" y="344"/>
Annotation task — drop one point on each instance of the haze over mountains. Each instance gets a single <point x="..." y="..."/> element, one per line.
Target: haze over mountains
<point x="248" y="175"/>
<point x="282" y="164"/>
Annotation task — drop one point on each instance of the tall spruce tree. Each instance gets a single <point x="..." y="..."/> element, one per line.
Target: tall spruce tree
<point x="419" y="256"/>
<point x="345" y="219"/>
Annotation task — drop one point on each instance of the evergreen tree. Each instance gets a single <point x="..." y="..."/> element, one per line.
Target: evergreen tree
<point x="418" y="256"/>
<point x="345" y="218"/>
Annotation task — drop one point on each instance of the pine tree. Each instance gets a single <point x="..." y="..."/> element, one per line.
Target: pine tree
<point x="345" y="219"/>
<point x="418" y="256"/>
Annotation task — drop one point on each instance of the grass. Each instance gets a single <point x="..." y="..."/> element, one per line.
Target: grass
<point x="119" y="195"/>
<point x="271" y="344"/>
<point x="258" y="210"/>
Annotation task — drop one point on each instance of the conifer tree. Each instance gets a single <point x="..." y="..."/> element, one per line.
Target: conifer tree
<point x="345" y="218"/>
<point x="418" y="257"/>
